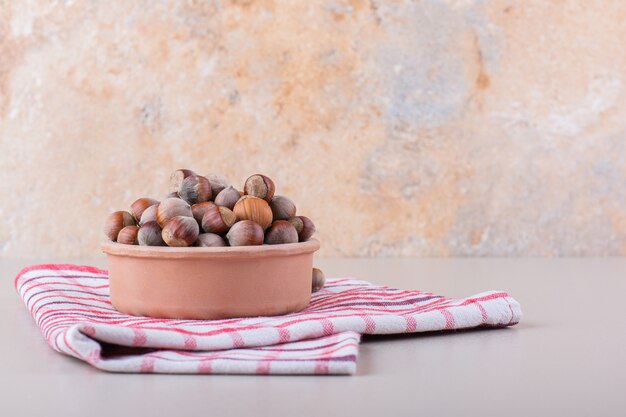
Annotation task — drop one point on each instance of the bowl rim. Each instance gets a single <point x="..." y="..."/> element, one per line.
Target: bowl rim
<point x="233" y="252"/>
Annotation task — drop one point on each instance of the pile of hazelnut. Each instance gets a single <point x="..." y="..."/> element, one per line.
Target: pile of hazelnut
<point x="207" y="211"/>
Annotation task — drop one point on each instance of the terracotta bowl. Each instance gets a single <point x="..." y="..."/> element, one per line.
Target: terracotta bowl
<point x="210" y="283"/>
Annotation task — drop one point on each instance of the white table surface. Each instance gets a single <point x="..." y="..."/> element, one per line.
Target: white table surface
<point x="567" y="357"/>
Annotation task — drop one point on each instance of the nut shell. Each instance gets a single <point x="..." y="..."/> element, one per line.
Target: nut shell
<point x="170" y="208"/>
<point x="260" y="186"/>
<point x="177" y="178"/>
<point x="218" y="220"/>
<point x="304" y="226"/>
<point x="283" y="208"/>
<point x="128" y="235"/>
<point x="140" y="205"/>
<point x="281" y="231"/>
<point x="148" y="215"/>
<point x="180" y="231"/>
<point x="255" y="209"/>
<point x="228" y="197"/>
<point x="195" y="189"/>
<point x="115" y="222"/>
<point x="245" y="233"/>
<point x="318" y="280"/>
<point x="150" y="234"/>
<point x="206" y="240"/>
<point x="218" y="183"/>
<point x="199" y="210"/>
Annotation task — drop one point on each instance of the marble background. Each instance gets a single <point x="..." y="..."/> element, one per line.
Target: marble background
<point x="403" y="128"/>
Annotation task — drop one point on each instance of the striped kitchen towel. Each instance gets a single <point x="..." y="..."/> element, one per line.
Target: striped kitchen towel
<point x="71" y="306"/>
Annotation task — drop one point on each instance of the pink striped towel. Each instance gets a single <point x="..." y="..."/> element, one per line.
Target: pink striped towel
<point x="71" y="306"/>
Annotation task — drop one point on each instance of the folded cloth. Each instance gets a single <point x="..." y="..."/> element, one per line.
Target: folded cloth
<point x="71" y="306"/>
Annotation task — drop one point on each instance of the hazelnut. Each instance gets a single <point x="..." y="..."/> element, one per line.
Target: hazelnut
<point x="206" y="240"/>
<point x="218" y="219"/>
<point x="228" y="197"/>
<point x="116" y="222"/>
<point x="318" y="280"/>
<point x="247" y="217"/>
<point x="199" y="209"/>
<point x="140" y="205"/>
<point x="180" y="231"/>
<point x="304" y="226"/>
<point x="245" y="233"/>
<point x="282" y="207"/>
<point x="148" y="215"/>
<point x="281" y="231"/>
<point x="177" y="177"/>
<point x="195" y="189"/>
<point x="172" y="207"/>
<point x="259" y="186"/>
<point x="255" y="209"/>
<point x="218" y="183"/>
<point x="128" y="235"/>
<point x="150" y="234"/>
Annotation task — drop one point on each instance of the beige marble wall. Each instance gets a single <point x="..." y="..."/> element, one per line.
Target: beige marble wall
<point x="404" y="128"/>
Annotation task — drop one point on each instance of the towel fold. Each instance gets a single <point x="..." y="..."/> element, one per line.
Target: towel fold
<point x="71" y="306"/>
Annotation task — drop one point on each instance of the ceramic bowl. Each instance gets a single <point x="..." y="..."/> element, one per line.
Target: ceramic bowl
<point x="210" y="283"/>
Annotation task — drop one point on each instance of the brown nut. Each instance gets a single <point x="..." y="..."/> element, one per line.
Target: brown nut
<point x="170" y="208"/>
<point x="173" y="194"/>
<point x="195" y="189"/>
<point x="260" y="186"/>
<point x="128" y="235"/>
<point x="140" y="205"/>
<point x="199" y="210"/>
<point x="115" y="222"/>
<point x="245" y="233"/>
<point x="282" y="207"/>
<point x="218" y="183"/>
<point x="177" y="177"/>
<point x="150" y="234"/>
<point x="318" y="280"/>
<point x="228" y="197"/>
<point x="281" y="231"/>
<point x="206" y="240"/>
<point x="304" y="226"/>
<point x="148" y="215"/>
<point x="218" y="219"/>
<point x="255" y="209"/>
<point x="180" y="231"/>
